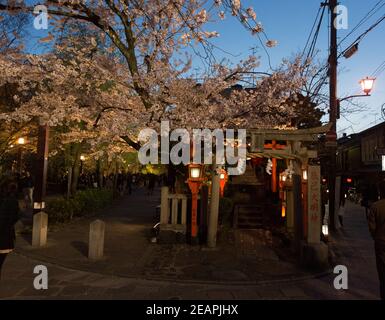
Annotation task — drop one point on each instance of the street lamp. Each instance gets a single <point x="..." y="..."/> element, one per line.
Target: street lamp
<point x="21" y="141"/>
<point x="195" y="171"/>
<point x="194" y="181"/>
<point x="82" y="159"/>
<point x="223" y="177"/>
<point x="367" y="85"/>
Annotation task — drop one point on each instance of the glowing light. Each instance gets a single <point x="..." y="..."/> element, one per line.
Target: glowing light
<point x="383" y="163"/>
<point x="325" y="230"/>
<point x="195" y="172"/>
<point x="367" y="84"/>
<point x="304" y="175"/>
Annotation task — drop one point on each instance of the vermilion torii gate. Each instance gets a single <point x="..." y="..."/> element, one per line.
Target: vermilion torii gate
<point x="303" y="218"/>
<point x="303" y="205"/>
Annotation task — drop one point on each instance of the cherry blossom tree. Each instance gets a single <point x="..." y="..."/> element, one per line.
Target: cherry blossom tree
<point x="134" y="71"/>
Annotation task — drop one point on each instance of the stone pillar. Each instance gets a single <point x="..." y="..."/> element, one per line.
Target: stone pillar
<point x="314" y="253"/>
<point x="96" y="240"/>
<point x="40" y="229"/>
<point x="314" y="204"/>
<point x="214" y="211"/>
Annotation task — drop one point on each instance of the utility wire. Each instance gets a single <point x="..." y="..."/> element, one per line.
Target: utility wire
<point x="362" y="36"/>
<point x="311" y="31"/>
<point x="316" y="34"/>
<point x="372" y="12"/>
<point x="380" y="69"/>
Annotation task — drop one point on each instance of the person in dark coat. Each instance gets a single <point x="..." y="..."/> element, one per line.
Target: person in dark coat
<point x="369" y="196"/>
<point x="376" y="221"/>
<point x="9" y="211"/>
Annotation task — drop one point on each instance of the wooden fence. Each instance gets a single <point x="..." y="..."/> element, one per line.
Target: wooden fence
<point x="173" y="211"/>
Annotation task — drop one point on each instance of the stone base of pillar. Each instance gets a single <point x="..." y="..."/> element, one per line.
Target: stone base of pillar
<point x="314" y="256"/>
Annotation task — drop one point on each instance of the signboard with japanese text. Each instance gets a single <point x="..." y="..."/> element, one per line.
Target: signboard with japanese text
<point x="314" y="204"/>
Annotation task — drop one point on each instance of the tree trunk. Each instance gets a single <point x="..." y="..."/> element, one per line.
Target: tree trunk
<point x="100" y="173"/>
<point x="75" y="168"/>
<point x="69" y="182"/>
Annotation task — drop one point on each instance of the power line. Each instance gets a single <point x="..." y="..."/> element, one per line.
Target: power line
<point x="379" y="70"/>
<point x="372" y="12"/>
<point x="362" y="35"/>
<point x="311" y="31"/>
<point x="316" y="34"/>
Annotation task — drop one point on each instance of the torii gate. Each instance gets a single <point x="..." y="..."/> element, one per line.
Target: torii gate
<point x="306" y="227"/>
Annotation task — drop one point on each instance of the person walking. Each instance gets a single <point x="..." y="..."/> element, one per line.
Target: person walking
<point x="369" y="196"/>
<point x="376" y="221"/>
<point x="9" y="211"/>
<point x="341" y="210"/>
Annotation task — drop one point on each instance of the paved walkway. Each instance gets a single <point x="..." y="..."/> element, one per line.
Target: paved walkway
<point x="130" y="253"/>
<point x="136" y="269"/>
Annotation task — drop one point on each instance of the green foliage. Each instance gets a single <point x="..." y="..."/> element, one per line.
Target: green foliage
<point x="83" y="203"/>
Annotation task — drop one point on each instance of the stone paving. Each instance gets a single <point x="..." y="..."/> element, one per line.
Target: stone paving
<point x="129" y="252"/>
<point x="71" y="276"/>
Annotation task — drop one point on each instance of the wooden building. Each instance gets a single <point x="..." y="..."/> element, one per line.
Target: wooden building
<point x="359" y="157"/>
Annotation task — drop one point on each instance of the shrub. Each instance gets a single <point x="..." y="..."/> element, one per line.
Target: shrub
<point x="82" y="203"/>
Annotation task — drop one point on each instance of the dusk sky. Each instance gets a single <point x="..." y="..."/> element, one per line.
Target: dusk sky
<point x="290" y="22"/>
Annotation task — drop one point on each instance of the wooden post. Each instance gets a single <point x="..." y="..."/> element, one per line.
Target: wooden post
<point x="214" y="211"/>
<point x="164" y="207"/>
<point x="96" y="240"/>
<point x="40" y="229"/>
<point x="184" y="212"/>
<point x="274" y="170"/>
<point x="204" y="192"/>
<point x="174" y="211"/>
